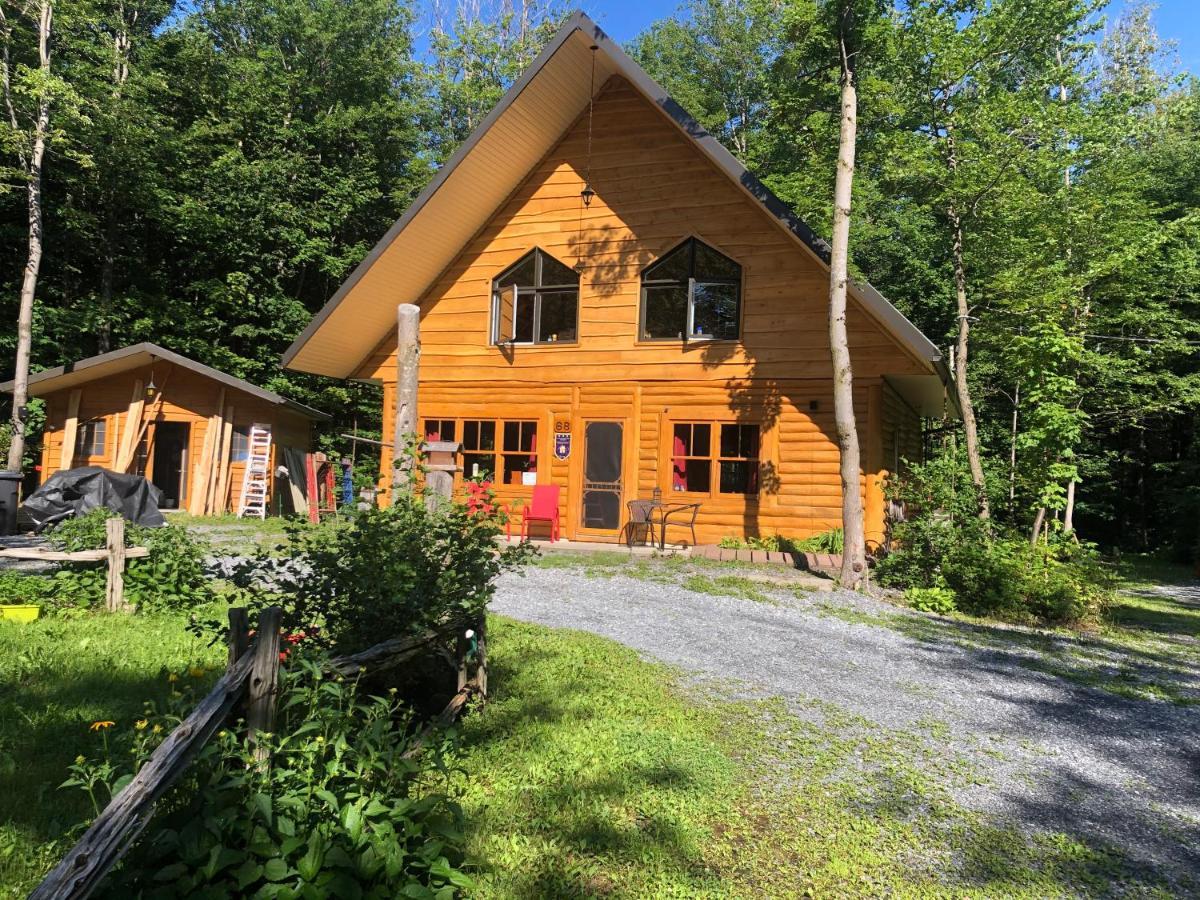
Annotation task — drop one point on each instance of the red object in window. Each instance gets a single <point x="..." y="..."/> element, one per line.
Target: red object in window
<point x="543" y="508"/>
<point x="679" y="466"/>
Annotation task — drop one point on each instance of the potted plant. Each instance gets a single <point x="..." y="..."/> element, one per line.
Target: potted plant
<point x="21" y="596"/>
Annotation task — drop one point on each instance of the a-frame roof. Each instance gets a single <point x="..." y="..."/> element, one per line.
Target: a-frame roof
<point x="138" y="356"/>
<point x="522" y="128"/>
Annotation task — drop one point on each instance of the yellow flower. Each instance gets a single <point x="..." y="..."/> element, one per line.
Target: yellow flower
<point x="320" y="739"/>
<point x="172" y="678"/>
<point x="222" y="734"/>
<point x="140" y="724"/>
<point x="197" y="671"/>
<point x="157" y="729"/>
<point x="79" y="760"/>
<point x="96" y="726"/>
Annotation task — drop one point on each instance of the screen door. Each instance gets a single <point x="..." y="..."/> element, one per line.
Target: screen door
<point x="602" y="475"/>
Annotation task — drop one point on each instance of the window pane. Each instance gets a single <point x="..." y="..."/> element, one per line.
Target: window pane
<point x="439" y="429"/>
<point x="739" y="440"/>
<point x="715" y="312"/>
<point x="555" y="273"/>
<point x="711" y="264"/>
<point x="675" y="266"/>
<point x="470" y="435"/>
<point x="487" y="435"/>
<point x="523" y="320"/>
<point x="691" y="475"/>
<point x="479" y="465"/>
<point x="739" y="477"/>
<point x="521" y="274"/>
<point x="666" y="312"/>
<point x="683" y="440"/>
<point x="512" y="436"/>
<point x="701" y="439"/>
<point x="559" y="315"/>
<point x="240" y="449"/>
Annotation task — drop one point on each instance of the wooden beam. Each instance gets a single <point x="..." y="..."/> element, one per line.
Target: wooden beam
<point x="408" y="362"/>
<point x="70" y="431"/>
<point x="73" y="556"/>
<point x="114" y="540"/>
<point x="133" y="425"/>
<point x="221" y="494"/>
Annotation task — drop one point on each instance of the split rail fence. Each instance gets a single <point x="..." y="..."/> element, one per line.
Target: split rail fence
<point x="250" y="681"/>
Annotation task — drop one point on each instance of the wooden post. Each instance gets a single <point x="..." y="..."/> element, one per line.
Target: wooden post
<point x="481" y="681"/>
<point x="239" y="633"/>
<point x="461" y="645"/>
<point x="408" y="359"/>
<point x="264" y="680"/>
<point x="114" y="534"/>
<point x="66" y="454"/>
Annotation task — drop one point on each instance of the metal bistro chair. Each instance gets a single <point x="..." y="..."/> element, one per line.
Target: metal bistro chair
<point x="686" y="513"/>
<point x="641" y="516"/>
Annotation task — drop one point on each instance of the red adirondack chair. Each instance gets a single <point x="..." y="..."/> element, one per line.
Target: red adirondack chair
<point x="543" y="508"/>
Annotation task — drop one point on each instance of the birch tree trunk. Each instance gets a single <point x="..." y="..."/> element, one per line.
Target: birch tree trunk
<point x="33" y="261"/>
<point x="854" y="551"/>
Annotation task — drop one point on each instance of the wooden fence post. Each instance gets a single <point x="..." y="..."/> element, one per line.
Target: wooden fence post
<point x="264" y="681"/>
<point x="239" y="633"/>
<point x="481" y="680"/>
<point x="114" y="534"/>
<point x="462" y="645"/>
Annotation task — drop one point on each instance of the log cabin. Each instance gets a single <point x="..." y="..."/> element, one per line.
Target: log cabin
<point x="611" y="303"/>
<point x="185" y="426"/>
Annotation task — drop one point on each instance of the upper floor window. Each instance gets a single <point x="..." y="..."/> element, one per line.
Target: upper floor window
<point x="90" y="438"/>
<point x="691" y="293"/>
<point x="536" y="301"/>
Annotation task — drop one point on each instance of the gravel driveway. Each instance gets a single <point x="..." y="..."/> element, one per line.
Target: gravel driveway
<point x="1060" y="754"/>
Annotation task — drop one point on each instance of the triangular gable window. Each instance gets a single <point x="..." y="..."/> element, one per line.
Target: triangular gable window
<point x="535" y="301"/>
<point x="691" y="293"/>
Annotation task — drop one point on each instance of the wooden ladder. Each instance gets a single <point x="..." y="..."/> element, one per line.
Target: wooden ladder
<point x="256" y="479"/>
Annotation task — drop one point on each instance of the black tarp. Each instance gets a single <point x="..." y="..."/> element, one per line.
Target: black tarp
<point x="78" y="491"/>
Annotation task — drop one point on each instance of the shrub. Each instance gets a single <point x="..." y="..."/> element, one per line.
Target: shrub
<point x="171" y="577"/>
<point x="938" y="600"/>
<point x="384" y="573"/>
<point x="17" y="588"/>
<point x="340" y="812"/>
<point x="831" y="541"/>
<point x="991" y="571"/>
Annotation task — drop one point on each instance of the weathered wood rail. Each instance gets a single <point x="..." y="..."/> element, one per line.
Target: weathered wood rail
<point x="251" y="679"/>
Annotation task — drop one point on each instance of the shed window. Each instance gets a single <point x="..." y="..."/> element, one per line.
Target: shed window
<point x="536" y="301"/>
<point x="239" y="450"/>
<point x="90" y="438"/>
<point x="691" y="293"/>
<point x="715" y="458"/>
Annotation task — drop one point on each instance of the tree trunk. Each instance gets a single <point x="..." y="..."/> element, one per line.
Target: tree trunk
<point x="1012" y="449"/>
<point x="1069" y="512"/>
<point x="33" y="261"/>
<point x="854" y="551"/>
<point x="1038" y="521"/>
<point x="961" y="388"/>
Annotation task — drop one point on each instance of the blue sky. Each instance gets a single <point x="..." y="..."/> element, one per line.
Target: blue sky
<point x="1177" y="20"/>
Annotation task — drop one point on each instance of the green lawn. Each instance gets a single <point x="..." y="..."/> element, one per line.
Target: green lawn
<point x="593" y="773"/>
<point x="57" y="677"/>
<point x="590" y="773"/>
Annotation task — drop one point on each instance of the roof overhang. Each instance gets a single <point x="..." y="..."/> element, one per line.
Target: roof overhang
<point x="139" y="356"/>
<point x="523" y="127"/>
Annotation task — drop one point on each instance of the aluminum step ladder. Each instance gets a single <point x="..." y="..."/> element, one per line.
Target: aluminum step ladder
<point x="256" y="479"/>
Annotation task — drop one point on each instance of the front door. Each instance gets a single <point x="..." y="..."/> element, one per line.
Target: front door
<point x="169" y="470"/>
<point x="602" y="488"/>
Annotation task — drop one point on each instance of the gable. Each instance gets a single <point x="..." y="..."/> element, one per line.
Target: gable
<point x="654" y="189"/>
<point x="495" y="161"/>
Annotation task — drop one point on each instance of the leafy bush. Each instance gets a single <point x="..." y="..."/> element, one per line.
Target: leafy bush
<point x="831" y="541"/>
<point x="826" y="542"/>
<point x="772" y="542"/>
<point x="17" y="588"/>
<point x="938" y="600"/>
<point x="340" y="812"/>
<point x="991" y="572"/>
<point x="385" y="573"/>
<point x="171" y="577"/>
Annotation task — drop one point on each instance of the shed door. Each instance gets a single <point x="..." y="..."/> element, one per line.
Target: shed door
<point x="602" y="446"/>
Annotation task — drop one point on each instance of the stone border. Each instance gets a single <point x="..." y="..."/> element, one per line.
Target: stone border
<point x="812" y="562"/>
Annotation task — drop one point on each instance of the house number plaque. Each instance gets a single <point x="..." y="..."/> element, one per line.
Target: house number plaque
<point x="562" y="438"/>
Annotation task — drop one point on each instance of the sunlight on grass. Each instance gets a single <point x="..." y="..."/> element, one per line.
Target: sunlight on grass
<point x="57" y="676"/>
<point x="593" y="773"/>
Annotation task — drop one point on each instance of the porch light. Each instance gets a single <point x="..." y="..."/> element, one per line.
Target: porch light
<point x="587" y="194"/>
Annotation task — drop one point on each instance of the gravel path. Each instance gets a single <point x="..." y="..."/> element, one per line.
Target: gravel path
<point x="1074" y="758"/>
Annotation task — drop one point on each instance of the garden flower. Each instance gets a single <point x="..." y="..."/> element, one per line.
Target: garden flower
<point x="157" y="729"/>
<point x="196" y="671"/>
<point x="140" y="724"/>
<point x="97" y="726"/>
<point x="172" y="678"/>
<point x="79" y="760"/>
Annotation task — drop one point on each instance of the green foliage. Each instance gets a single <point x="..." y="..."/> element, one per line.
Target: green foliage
<point x="339" y="812"/>
<point x="943" y="544"/>
<point x="17" y="588"/>
<point x="171" y="577"/>
<point x="940" y="600"/>
<point x="831" y="541"/>
<point x="384" y="573"/>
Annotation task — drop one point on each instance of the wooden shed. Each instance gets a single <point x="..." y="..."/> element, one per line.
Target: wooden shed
<point x="610" y="302"/>
<point x="186" y="426"/>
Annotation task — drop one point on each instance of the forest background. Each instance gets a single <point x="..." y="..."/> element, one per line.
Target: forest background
<point x="214" y="170"/>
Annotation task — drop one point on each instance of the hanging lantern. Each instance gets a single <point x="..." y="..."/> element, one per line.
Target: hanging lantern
<point x="150" y="385"/>
<point x="587" y="194"/>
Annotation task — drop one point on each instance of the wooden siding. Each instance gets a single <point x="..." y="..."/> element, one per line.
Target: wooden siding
<point x="187" y="397"/>
<point x="654" y="189"/>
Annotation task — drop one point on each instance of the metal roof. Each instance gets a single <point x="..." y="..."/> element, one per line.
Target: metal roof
<point x="137" y="356"/>
<point x="523" y="127"/>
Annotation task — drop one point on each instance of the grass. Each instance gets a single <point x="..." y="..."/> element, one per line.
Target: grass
<point x="57" y="676"/>
<point x="593" y="773"/>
